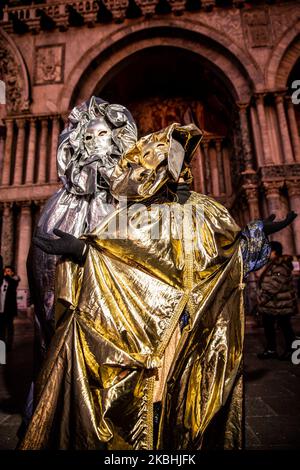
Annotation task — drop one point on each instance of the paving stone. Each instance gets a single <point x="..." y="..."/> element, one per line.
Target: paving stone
<point x="272" y="393"/>
<point x="256" y="406"/>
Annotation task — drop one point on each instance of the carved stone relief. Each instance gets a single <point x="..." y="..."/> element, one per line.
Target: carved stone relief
<point x="49" y="64"/>
<point x="227" y="21"/>
<point x="12" y="75"/>
<point x="257" y="27"/>
<point x="282" y="17"/>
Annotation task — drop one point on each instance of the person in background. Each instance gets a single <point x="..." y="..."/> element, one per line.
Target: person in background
<point x="8" y="305"/>
<point x="277" y="302"/>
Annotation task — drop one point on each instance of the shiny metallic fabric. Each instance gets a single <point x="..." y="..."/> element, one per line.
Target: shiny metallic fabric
<point x="116" y="319"/>
<point x="89" y="148"/>
<point x="154" y="160"/>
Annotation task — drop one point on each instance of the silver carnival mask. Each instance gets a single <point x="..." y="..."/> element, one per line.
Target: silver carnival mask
<point x="98" y="137"/>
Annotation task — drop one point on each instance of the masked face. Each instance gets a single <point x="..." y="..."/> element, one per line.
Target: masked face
<point x="97" y="138"/>
<point x="154" y="153"/>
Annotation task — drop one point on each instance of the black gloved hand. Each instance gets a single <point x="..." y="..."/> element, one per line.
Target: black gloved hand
<point x="66" y="245"/>
<point x="183" y="192"/>
<point x="271" y="227"/>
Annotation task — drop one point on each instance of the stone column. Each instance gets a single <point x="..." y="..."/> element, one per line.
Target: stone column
<point x="294" y="128"/>
<point x="7" y="151"/>
<point x="205" y="146"/>
<point x="262" y="121"/>
<point x="276" y="207"/>
<point x="220" y="165"/>
<point x="31" y="152"/>
<point x="227" y="171"/>
<point x="284" y="130"/>
<point x="247" y="153"/>
<point x="294" y="198"/>
<point x="7" y="235"/>
<point x="25" y="228"/>
<point x="42" y="160"/>
<point x="54" y="144"/>
<point x="252" y="199"/>
<point x="257" y="136"/>
<point x="19" y="162"/>
<point x="214" y="171"/>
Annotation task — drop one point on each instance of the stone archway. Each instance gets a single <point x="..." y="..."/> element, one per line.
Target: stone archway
<point x="283" y="58"/>
<point x="241" y="70"/>
<point x="164" y="84"/>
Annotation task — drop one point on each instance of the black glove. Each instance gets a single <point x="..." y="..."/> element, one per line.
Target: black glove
<point x="271" y="227"/>
<point x="183" y="192"/>
<point x="66" y="245"/>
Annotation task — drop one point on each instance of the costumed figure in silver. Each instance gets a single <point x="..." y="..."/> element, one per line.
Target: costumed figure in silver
<point x="98" y="133"/>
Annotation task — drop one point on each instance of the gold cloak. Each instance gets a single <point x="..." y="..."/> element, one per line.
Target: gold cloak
<point x="118" y="347"/>
<point x="117" y="316"/>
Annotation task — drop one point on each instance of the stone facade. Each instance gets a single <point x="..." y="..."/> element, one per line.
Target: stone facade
<point x="230" y="69"/>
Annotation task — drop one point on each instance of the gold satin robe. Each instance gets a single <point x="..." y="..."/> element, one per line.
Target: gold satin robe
<point x="118" y="348"/>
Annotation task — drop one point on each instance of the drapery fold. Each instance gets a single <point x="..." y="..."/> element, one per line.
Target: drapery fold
<point x="116" y="316"/>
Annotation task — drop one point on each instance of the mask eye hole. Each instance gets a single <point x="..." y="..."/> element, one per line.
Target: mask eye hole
<point x="160" y="145"/>
<point x="147" y="153"/>
<point x="101" y="133"/>
<point x="88" y="137"/>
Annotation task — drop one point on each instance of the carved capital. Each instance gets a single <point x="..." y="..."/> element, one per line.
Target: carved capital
<point x="251" y="193"/>
<point x="20" y="123"/>
<point x="26" y="204"/>
<point x="242" y="106"/>
<point x="279" y="96"/>
<point x="293" y="187"/>
<point x="7" y="207"/>
<point x="272" y="188"/>
<point x="260" y="98"/>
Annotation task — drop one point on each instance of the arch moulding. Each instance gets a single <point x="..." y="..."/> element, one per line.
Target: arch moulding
<point x="14" y="74"/>
<point x="283" y="58"/>
<point x="239" y="69"/>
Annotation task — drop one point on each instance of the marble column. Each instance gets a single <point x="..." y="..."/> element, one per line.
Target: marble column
<point x="262" y="121"/>
<point x="284" y="130"/>
<point x="252" y="199"/>
<point x="294" y="199"/>
<point x="5" y="180"/>
<point x="31" y="152"/>
<point x="7" y="235"/>
<point x="42" y="159"/>
<point x="54" y="144"/>
<point x="294" y="128"/>
<point x="25" y="229"/>
<point x="20" y="152"/>
<point x="247" y="152"/>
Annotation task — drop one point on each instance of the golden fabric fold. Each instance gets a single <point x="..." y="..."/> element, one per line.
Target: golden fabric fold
<point x="116" y="317"/>
<point x="154" y="159"/>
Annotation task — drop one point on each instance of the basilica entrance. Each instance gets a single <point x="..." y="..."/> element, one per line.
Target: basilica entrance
<point x="164" y="84"/>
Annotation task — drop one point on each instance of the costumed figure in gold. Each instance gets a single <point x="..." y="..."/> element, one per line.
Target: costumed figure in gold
<point x="148" y="346"/>
<point x="90" y="146"/>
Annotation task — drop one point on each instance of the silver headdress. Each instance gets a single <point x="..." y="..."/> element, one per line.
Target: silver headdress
<point x="85" y="159"/>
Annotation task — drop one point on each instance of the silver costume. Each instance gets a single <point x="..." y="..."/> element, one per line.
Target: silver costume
<point x="89" y="148"/>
